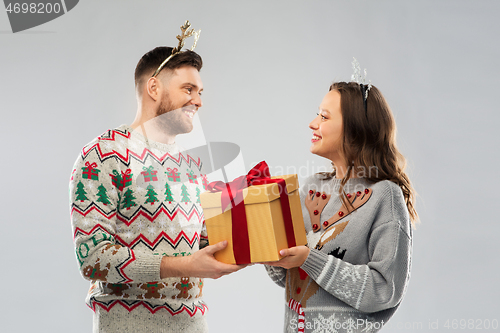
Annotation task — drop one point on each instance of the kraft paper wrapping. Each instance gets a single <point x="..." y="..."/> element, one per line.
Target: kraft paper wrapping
<point x="266" y="229"/>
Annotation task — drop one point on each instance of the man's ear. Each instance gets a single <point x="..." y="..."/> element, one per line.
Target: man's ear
<point x="153" y="87"/>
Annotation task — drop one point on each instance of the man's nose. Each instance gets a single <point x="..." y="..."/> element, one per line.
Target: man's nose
<point x="197" y="101"/>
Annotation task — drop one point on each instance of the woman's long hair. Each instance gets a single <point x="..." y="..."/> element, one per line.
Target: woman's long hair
<point x="369" y="142"/>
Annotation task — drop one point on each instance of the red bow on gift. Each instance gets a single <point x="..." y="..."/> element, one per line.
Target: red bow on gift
<point x="90" y="166"/>
<point x="232" y="195"/>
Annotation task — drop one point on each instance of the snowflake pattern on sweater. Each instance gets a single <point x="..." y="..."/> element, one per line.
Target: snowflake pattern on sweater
<point x="127" y="213"/>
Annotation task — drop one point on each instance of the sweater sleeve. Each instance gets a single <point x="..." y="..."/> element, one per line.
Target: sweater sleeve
<point x="94" y="206"/>
<point x="204" y="241"/>
<point x="203" y="236"/>
<point x="277" y="274"/>
<point x="378" y="285"/>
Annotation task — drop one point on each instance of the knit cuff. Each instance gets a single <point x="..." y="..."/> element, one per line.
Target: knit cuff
<point x="145" y="268"/>
<point x="277" y="274"/>
<point x="315" y="263"/>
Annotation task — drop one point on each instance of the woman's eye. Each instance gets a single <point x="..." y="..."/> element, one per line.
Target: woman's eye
<point x="322" y="117"/>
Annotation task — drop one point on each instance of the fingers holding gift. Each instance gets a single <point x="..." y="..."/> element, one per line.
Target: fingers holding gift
<point x="206" y="263"/>
<point x="201" y="264"/>
<point x="292" y="257"/>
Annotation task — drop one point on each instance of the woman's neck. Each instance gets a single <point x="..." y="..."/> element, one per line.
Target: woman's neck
<point x="341" y="170"/>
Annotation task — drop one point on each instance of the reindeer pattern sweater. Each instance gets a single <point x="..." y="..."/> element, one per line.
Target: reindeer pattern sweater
<point x="359" y="262"/>
<point x="134" y="201"/>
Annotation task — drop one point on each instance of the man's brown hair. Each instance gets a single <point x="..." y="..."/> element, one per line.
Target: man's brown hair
<point x="153" y="59"/>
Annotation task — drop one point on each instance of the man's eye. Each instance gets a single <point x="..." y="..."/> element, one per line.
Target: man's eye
<point x="189" y="89"/>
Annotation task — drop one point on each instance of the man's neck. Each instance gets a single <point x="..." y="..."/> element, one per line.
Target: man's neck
<point x="151" y="130"/>
<point x="151" y="134"/>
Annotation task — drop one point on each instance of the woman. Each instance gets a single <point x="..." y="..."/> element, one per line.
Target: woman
<point x="352" y="274"/>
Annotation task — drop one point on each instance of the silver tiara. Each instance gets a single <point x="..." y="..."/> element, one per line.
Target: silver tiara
<point x="359" y="79"/>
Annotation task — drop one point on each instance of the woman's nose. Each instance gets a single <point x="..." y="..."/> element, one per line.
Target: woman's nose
<point x="314" y="124"/>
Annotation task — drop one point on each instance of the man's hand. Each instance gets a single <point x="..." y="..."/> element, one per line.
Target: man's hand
<point x="292" y="257"/>
<point x="201" y="264"/>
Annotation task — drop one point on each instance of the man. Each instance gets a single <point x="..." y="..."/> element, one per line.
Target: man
<point x="137" y="221"/>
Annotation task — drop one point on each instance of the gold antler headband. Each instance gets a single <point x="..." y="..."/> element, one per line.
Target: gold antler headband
<point x="185" y="34"/>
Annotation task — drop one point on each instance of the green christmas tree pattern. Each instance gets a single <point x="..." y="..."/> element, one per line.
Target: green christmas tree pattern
<point x="128" y="199"/>
<point x="151" y="195"/>
<point x="80" y="192"/>
<point x="198" y="195"/>
<point x="185" y="194"/>
<point x="168" y="193"/>
<point x="103" y="195"/>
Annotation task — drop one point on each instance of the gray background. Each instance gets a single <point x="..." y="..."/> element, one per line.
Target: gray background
<point x="267" y="67"/>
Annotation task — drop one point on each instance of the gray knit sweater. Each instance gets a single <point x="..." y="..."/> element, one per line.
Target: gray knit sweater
<point x="359" y="265"/>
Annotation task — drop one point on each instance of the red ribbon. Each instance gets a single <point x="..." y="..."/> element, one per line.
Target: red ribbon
<point x="232" y="195"/>
<point x="90" y="169"/>
<point x="90" y="166"/>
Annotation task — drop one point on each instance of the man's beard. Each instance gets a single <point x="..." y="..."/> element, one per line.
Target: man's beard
<point x="166" y="105"/>
<point x="171" y="118"/>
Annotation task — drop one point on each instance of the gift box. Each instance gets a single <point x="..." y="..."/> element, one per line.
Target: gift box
<point x="173" y="175"/>
<point x="123" y="180"/>
<point x="266" y="230"/>
<point x="149" y="174"/>
<point x="90" y="171"/>
<point x="192" y="177"/>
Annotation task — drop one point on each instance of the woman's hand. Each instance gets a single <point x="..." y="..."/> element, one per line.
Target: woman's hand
<point x="292" y="257"/>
